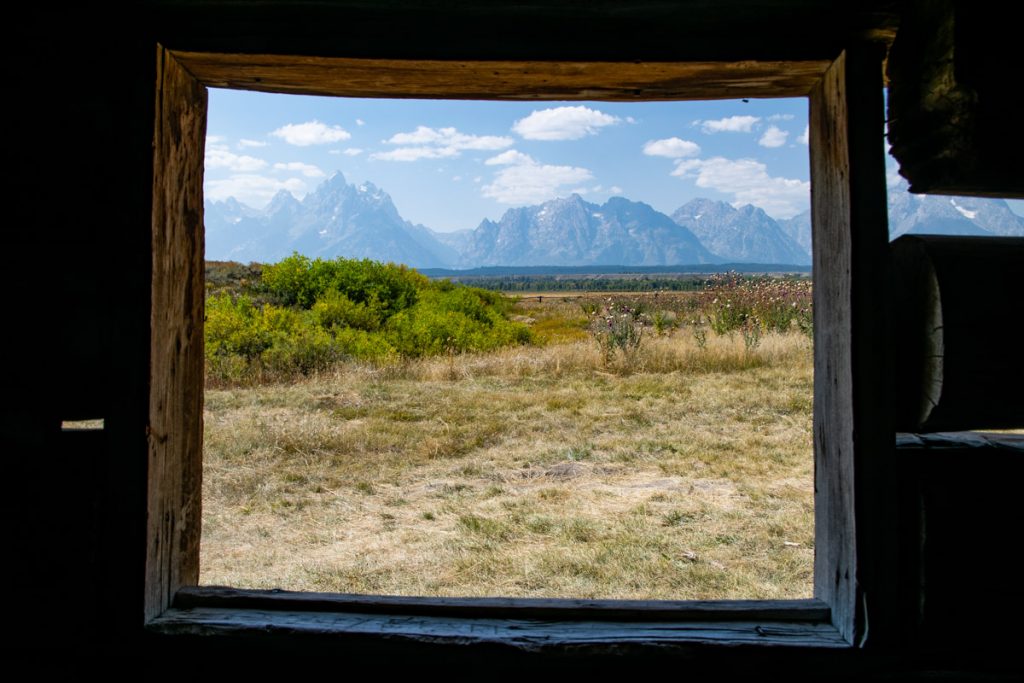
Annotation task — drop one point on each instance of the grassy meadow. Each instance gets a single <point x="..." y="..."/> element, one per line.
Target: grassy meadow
<point x="621" y="448"/>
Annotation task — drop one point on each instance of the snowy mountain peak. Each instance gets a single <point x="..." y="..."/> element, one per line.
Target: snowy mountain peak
<point x="970" y="215"/>
<point x="745" y="234"/>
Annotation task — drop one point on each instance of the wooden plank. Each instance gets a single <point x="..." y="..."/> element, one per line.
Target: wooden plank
<point x="950" y="108"/>
<point x="524" y="634"/>
<point x="960" y="441"/>
<point x="959" y="364"/>
<point x="175" y="425"/>
<point x="962" y="493"/>
<point x="805" y="611"/>
<point x="510" y="80"/>
<point x="850" y="237"/>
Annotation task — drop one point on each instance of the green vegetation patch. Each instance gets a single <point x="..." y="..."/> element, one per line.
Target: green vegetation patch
<point x="304" y="316"/>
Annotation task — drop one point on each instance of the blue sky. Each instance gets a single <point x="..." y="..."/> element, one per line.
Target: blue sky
<point x="449" y="164"/>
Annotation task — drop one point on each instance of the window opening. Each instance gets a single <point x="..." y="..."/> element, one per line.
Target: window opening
<point x="616" y="432"/>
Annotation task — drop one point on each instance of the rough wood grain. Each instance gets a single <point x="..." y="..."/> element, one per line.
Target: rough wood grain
<point x="949" y="104"/>
<point x="176" y="348"/>
<point x="804" y="611"/>
<point x="849" y="233"/>
<point x="959" y="364"/>
<point x="959" y="441"/>
<point x="530" y="635"/>
<point x="524" y="80"/>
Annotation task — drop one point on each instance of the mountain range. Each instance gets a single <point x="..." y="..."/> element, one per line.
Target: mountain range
<point x="340" y="219"/>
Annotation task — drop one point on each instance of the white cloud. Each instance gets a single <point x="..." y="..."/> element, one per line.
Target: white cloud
<point x="352" y="152"/>
<point x="563" y="123"/>
<point x="614" y="189"/>
<point x="245" y="142"/>
<point x="415" y="153"/>
<point x="456" y="178"/>
<point x="438" y="143"/>
<point x="781" y="117"/>
<point x="215" y="140"/>
<point x="673" y="148"/>
<point x="512" y="156"/>
<point x="749" y="183"/>
<point x="311" y="133"/>
<point x="523" y="180"/>
<point x="360" y="122"/>
<point x="308" y="170"/>
<point x="450" y="137"/>
<point x="251" y="189"/>
<point x="773" y="137"/>
<point x="732" y="124"/>
<point x="220" y="157"/>
<point x="892" y="173"/>
<point x="804" y="138"/>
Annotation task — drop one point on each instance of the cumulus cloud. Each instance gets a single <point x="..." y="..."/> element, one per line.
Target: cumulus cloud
<point x="360" y="122"/>
<point x="524" y="180"/>
<point x="450" y="137"/>
<point x="749" y="183"/>
<point x="311" y="133"/>
<point x="438" y="143"/>
<point x="245" y="142"/>
<point x="254" y="190"/>
<point x="781" y="117"/>
<point x="215" y="140"/>
<point x="773" y="137"/>
<point x="804" y="138"/>
<point x="308" y="170"/>
<point x="219" y="157"/>
<point x="673" y="148"/>
<point x="512" y="156"/>
<point x="731" y="124"/>
<point x="415" y="153"/>
<point x="563" y="123"/>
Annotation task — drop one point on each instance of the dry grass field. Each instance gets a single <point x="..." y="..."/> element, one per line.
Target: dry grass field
<point x="681" y="470"/>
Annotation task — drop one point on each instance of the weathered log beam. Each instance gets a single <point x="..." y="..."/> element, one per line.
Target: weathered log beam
<point x="175" y="426"/>
<point x="954" y="105"/>
<point x="958" y="306"/>
<point x="510" y="80"/>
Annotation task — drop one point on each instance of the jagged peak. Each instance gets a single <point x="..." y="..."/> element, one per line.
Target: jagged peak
<point x="281" y="201"/>
<point x="751" y="210"/>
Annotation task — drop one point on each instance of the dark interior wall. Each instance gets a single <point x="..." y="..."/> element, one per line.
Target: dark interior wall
<point x="79" y="119"/>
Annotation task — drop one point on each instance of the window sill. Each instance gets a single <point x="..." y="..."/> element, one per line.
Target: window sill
<point x="525" y="625"/>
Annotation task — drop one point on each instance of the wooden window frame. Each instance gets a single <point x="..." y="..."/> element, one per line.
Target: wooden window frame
<point x="852" y="432"/>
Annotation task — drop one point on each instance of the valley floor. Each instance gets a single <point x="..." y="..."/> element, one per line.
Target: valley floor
<point x="681" y="471"/>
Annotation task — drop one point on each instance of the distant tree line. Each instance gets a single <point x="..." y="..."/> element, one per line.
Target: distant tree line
<point x="549" y="283"/>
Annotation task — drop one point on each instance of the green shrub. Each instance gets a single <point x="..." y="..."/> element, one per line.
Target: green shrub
<point x="324" y="312"/>
<point x="334" y="309"/>
<point x="385" y="288"/>
<point x="234" y="328"/>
